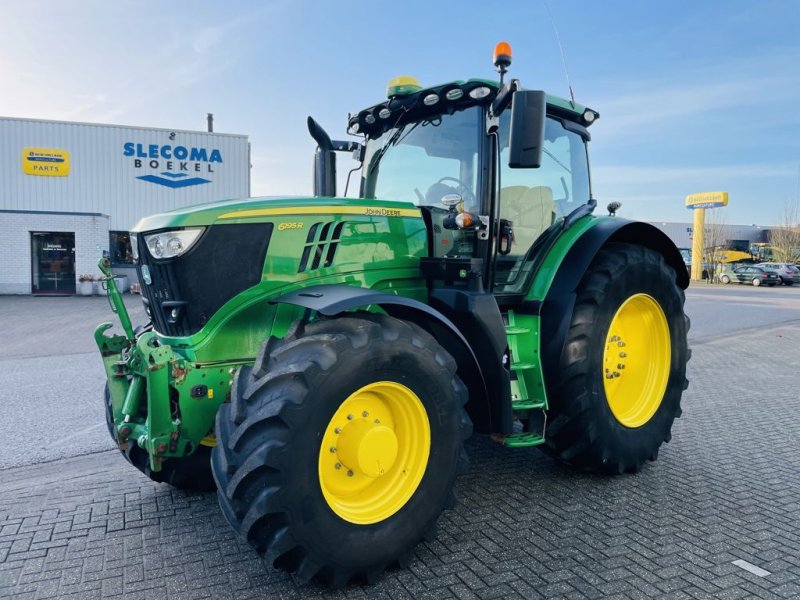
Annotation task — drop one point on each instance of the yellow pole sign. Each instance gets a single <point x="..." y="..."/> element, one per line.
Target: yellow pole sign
<point x="47" y="162"/>
<point x="699" y="203"/>
<point x="707" y="200"/>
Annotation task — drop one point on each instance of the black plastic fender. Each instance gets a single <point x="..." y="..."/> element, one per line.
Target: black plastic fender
<point x="556" y="310"/>
<point x="333" y="299"/>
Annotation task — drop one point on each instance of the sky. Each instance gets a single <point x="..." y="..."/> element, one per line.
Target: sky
<point x="693" y="96"/>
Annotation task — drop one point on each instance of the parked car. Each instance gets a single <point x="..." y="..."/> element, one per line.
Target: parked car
<point x="749" y="274"/>
<point x="788" y="273"/>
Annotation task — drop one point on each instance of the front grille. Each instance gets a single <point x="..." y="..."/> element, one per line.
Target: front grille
<point x="225" y="261"/>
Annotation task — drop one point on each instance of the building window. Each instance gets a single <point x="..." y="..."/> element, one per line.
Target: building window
<point x="119" y="244"/>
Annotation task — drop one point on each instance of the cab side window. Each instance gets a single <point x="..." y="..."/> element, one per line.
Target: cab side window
<point x="532" y="200"/>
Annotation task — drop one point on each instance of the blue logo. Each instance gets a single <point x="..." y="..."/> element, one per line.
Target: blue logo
<point x="176" y="180"/>
<point x="178" y="162"/>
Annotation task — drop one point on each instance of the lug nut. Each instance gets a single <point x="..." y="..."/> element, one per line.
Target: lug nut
<point x="620" y="366"/>
<point x="365" y="414"/>
<point x="622" y="355"/>
<point x="609" y="376"/>
<point x="616" y="373"/>
<point x="349" y="417"/>
<point x="337" y="430"/>
<point x="621" y="344"/>
<point x="349" y="473"/>
<point x="337" y="466"/>
<point x="333" y="449"/>
<point x="377" y="421"/>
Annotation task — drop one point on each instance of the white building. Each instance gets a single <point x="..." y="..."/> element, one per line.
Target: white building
<point x="69" y="192"/>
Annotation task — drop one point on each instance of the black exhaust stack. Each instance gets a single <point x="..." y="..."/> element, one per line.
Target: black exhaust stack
<point x="324" y="161"/>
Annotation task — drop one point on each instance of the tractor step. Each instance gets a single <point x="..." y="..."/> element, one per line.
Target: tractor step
<point x="523" y="440"/>
<point x="527" y="404"/>
<point x="514" y="330"/>
<point x="522" y="366"/>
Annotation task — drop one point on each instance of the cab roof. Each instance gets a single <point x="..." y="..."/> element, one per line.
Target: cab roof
<point x="451" y="96"/>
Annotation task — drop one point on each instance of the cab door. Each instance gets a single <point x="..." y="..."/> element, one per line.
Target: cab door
<point x="533" y="200"/>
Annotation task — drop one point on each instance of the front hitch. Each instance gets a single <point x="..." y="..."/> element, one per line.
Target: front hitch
<point x="115" y="299"/>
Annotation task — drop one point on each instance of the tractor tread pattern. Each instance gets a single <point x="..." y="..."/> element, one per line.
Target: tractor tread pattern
<point x="573" y="434"/>
<point x="267" y="405"/>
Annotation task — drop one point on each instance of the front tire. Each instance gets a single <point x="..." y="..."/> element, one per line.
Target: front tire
<point x="756" y="282"/>
<point x="622" y="372"/>
<point x="340" y="447"/>
<point x="725" y="279"/>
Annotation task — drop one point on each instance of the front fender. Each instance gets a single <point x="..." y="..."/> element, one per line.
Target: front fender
<point x="334" y="299"/>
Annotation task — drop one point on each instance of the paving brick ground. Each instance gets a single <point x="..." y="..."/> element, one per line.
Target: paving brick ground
<point x="726" y="488"/>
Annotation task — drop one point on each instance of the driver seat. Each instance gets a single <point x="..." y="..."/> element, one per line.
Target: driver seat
<point x="530" y="209"/>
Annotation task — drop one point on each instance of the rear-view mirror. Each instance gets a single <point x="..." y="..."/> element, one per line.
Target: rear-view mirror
<point x="526" y="138"/>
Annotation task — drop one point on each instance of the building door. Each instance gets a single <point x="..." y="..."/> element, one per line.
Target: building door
<point x="53" y="262"/>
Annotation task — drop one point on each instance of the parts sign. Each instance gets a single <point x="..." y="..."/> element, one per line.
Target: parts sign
<point x="46" y="162"/>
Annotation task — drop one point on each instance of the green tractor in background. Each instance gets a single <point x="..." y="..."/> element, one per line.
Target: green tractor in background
<point x="320" y="361"/>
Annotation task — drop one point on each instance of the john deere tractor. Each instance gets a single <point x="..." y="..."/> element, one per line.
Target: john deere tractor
<point x="321" y="361"/>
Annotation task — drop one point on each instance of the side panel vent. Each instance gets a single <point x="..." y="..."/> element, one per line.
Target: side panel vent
<point x="321" y="243"/>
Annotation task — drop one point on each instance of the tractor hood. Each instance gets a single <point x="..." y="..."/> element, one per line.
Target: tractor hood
<point x="265" y="208"/>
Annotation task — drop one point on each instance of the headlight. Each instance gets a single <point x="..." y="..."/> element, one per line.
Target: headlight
<point x="134" y="237"/>
<point x="169" y="244"/>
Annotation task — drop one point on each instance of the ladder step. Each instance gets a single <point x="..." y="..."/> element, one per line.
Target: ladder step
<point x="527" y="404"/>
<point x="523" y="440"/>
<point x="514" y="330"/>
<point x="522" y="366"/>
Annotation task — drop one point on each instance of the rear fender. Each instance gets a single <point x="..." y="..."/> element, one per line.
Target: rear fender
<point x="558" y="304"/>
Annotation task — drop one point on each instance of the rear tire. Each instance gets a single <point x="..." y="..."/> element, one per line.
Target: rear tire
<point x="191" y="472"/>
<point x="583" y="429"/>
<point x="756" y="282"/>
<point x="274" y="462"/>
<point x="725" y="279"/>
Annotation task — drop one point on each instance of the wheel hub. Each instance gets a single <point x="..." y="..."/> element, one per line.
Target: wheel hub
<point x="636" y="360"/>
<point x="374" y="452"/>
<point x="367" y="448"/>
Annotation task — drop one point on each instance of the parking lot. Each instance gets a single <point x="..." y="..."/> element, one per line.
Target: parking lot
<point x="77" y="521"/>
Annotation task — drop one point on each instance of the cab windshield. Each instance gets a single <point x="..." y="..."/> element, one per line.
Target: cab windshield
<point x="423" y="161"/>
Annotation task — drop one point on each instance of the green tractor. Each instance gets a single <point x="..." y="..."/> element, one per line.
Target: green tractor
<point x="321" y="361"/>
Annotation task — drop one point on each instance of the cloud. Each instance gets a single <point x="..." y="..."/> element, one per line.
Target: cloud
<point x="108" y="80"/>
<point x="712" y="177"/>
<point x="681" y="99"/>
<point x="206" y="39"/>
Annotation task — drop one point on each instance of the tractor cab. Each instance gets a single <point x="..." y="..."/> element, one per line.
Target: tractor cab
<point x="495" y="170"/>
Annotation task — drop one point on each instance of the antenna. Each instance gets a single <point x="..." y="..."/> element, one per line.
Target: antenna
<point x="561" y="49"/>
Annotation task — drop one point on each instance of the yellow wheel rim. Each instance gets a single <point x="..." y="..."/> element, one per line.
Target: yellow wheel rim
<point x="636" y="360"/>
<point x="374" y="452"/>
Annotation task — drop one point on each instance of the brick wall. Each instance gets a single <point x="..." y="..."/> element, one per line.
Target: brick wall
<point x="15" y="244"/>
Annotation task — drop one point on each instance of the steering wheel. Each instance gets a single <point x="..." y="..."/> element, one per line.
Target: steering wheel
<point x="462" y="189"/>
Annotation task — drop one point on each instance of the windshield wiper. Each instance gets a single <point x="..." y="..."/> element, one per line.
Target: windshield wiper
<point x="558" y="162"/>
<point x="391" y="142"/>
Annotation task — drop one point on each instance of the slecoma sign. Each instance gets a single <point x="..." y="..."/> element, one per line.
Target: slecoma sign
<point x="176" y="166"/>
